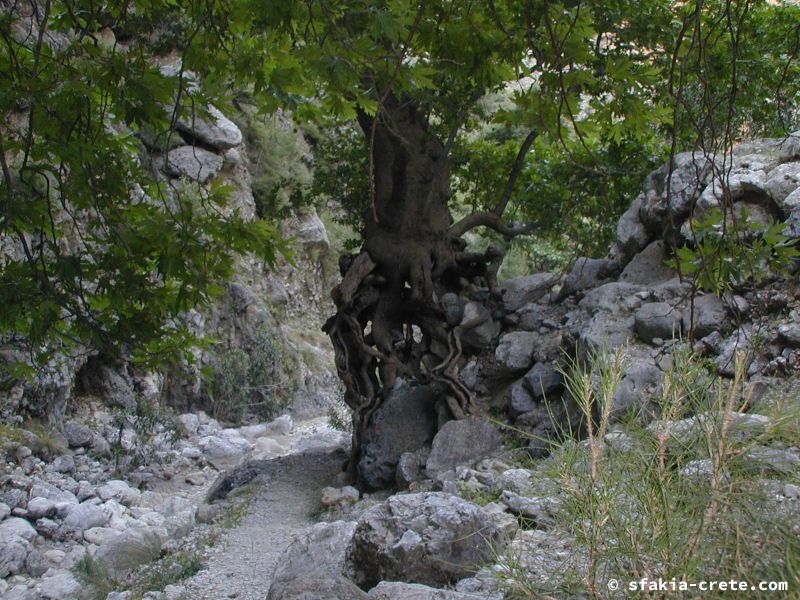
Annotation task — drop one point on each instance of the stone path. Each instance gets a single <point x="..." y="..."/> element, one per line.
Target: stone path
<point x="285" y="498"/>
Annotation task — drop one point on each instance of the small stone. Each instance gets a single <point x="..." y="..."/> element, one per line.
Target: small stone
<point x="98" y="535"/>
<point x="410" y="468"/>
<point x="174" y="592"/>
<point x="520" y="400"/>
<point x="191" y="452"/>
<point x="36" y="564"/>
<point x="790" y="490"/>
<point x="195" y="478"/>
<point x="47" y="527"/>
<point x="339" y="497"/>
<point x="283" y="425"/>
<point x="63" y="464"/>
<point x="55" y="556"/>
<point x="41" y="507"/>
<point x="119" y="490"/>
<point x="698" y="470"/>
<point x="78" y="435"/>
<point x="790" y="332"/>
<point x="543" y="380"/>
<point x="540" y="510"/>
<point x="62" y="586"/>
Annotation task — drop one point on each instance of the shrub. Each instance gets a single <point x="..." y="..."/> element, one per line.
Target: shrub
<point x="149" y="420"/>
<point x="682" y="498"/>
<point x="251" y="380"/>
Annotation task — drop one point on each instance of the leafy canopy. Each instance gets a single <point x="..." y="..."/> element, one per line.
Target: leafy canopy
<point x="599" y="84"/>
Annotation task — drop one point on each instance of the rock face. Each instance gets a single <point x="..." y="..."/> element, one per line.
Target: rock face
<point x="206" y="147"/>
<point x="405" y="422"/>
<point x="633" y="299"/>
<point x="431" y="538"/>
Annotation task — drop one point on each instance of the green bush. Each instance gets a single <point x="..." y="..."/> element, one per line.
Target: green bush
<point x="251" y="380"/>
<point x="148" y="419"/>
<point x="279" y="161"/>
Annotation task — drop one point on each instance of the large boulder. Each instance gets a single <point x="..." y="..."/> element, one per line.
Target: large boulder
<point x="16" y="537"/>
<point x="670" y="191"/>
<point x="431" y="538"/>
<point x="648" y="267"/>
<point x="639" y="385"/>
<point x="782" y="181"/>
<point x="78" y="434"/>
<point x="121" y="554"/>
<point x="789" y="147"/>
<point x="657" y="320"/>
<point x="192" y="162"/>
<point x="405" y="422"/>
<point x="586" y="273"/>
<point x="320" y="551"/>
<point x="119" y="490"/>
<point x="515" y="352"/>
<point x="84" y="516"/>
<point x="519" y="399"/>
<point x="520" y="291"/>
<point x="484" y="334"/>
<point x="460" y="442"/>
<point x="308" y="230"/>
<point x="61" y="586"/>
<point x="542" y="381"/>
<point x="632" y="235"/>
<point x="218" y="131"/>
<point x="706" y="314"/>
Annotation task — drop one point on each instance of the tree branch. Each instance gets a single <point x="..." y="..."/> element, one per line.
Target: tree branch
<point x="491" y="220"/>
<point x="516" y="170"/>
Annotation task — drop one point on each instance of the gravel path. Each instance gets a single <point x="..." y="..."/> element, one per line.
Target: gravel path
<point x="285" y="498"/>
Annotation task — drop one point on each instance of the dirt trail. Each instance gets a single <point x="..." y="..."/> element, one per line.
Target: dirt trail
<point x="285" y="497"/>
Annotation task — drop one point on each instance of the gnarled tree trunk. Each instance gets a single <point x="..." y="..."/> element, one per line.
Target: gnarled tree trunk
<point x="390" y="321"/>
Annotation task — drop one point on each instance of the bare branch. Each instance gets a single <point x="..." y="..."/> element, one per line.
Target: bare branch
<point x="492" y="221"/>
